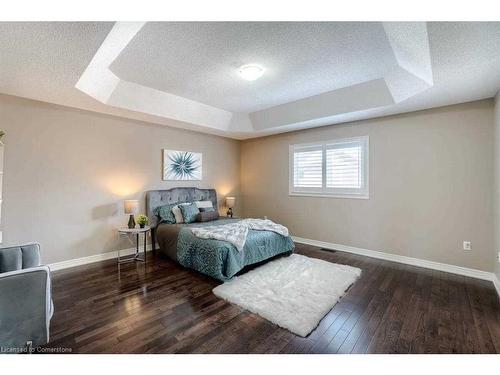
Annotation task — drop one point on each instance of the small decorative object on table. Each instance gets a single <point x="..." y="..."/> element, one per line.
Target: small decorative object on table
<point x="230" y="204"/>
<point x="142" y="220"/>
<point x="131" y="207"/>
<point x="137" y="232"/>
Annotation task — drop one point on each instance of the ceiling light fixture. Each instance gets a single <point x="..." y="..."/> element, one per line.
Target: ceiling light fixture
<point x="251" y="72"/>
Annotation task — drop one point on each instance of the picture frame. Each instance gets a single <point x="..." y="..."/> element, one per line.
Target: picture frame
<point x="182" y="165"/>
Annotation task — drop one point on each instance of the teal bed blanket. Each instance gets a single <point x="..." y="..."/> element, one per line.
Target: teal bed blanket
<point x="221" y="259"/>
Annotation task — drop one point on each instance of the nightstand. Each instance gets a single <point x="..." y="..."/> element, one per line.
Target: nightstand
<point x="136" y="232"/>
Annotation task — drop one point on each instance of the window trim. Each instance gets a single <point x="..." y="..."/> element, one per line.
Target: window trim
<point x="325" y="192"/>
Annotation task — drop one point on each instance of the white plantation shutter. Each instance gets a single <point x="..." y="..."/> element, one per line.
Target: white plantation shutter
<point x="334" y="168"/>
<point x="344" y="166"/>
<point x="308" y="169"/>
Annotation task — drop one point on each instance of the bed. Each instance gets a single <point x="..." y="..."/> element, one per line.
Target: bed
<point x="218" y="259"/>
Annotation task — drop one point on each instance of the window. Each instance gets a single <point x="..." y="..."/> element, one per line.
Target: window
<point x="337" y="168"/>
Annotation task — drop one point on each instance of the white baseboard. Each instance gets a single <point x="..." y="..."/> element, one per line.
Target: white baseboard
<point x="470" y="272"/>
<point x="94" y="258"/>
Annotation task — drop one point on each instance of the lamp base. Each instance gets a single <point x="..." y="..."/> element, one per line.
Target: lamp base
<point x="131" y="222"/>
<point x="229" y="212"/>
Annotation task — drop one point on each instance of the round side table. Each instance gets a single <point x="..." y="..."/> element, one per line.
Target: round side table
<point x="137" y="232"/>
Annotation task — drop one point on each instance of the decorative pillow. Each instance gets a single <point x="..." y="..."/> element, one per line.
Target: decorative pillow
<point x="204" y="204"/>
<point x="189" y="212"/>
<point x="206" y="209"/>
<point x="176" y="210"/>
<point x="208" y="215"/>
<point x="165" y="214"/>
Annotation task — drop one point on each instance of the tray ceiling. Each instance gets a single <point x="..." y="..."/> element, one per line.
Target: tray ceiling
<point x="184" y="74"/>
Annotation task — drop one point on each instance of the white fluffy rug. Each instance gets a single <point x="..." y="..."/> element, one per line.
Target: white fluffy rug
<point x="295" y="292"/>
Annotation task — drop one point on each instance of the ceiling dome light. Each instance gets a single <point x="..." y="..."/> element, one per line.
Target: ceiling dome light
<point x="251" y="72"/>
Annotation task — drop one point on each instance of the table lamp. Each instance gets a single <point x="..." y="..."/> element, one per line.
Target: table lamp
<point x="131" y="206"/>
<point x="230" y="204"/>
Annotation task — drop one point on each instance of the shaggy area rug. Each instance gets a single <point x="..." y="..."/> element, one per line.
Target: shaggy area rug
<point x="295" y="292"/>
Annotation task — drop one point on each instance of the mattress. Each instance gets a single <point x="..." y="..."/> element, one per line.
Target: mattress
<point x="219" y="259"/>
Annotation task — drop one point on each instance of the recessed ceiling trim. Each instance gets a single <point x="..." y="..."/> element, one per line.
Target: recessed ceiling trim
<point x="131" y="96"/>
<point x="100" y="83"/>
<point x="410" y="44"/>
<point x="98" y="80"/>
<point x="366" y="95"/>
<point x="412" y="75"/>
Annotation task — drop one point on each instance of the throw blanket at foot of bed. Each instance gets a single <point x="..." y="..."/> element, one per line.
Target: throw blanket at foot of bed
<point x="236" y="233"/>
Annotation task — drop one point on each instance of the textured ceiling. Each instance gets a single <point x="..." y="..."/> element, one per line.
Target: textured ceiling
<point x="184" y="74"/>
<point x="43" y="60"/>
<point x="199" y="60"/>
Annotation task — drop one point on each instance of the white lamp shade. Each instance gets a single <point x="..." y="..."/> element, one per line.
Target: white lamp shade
<point x="131" y="206"/>
<point x="230" y="202"/>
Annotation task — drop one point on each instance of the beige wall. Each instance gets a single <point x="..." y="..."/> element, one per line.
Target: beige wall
<point x="496" y="191"/>
<point x="67" y="172"/>
<point x="431" y="179"/>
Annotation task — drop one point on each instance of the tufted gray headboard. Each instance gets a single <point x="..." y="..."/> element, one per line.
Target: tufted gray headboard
<point x="157" y="198"/>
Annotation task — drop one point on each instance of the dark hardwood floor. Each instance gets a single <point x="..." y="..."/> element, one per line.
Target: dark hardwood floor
<point x="164" y="308"/>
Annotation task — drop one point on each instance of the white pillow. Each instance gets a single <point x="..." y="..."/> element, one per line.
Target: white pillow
<point x="204" y="204"/>
<point x="178" y="213"/>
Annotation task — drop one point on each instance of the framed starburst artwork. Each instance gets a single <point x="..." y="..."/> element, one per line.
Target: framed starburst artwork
<point x="181" y="165"/>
